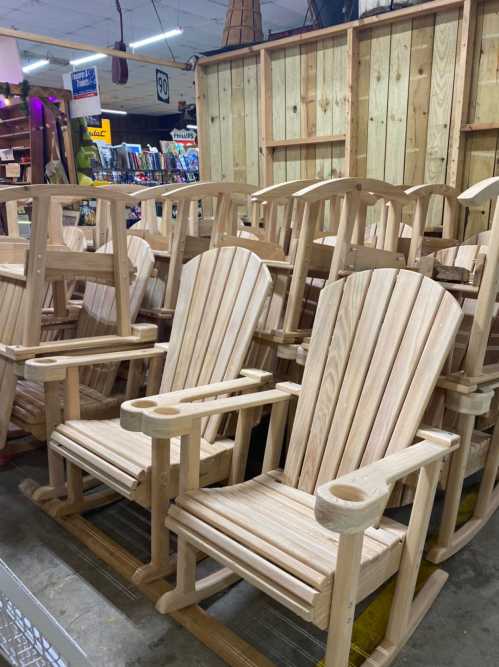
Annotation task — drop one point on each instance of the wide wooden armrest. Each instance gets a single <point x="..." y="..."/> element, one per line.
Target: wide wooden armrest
<point x="141" y="335"/>
<point x="134" y="411"/>
<point x="356" y="501"/>
<point x="480" y="192"/>
<point x="50" y="369"/>
<point x="175" y="419"/>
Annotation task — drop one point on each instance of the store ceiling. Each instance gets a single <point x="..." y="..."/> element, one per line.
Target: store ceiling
<point x="96" y="22"/>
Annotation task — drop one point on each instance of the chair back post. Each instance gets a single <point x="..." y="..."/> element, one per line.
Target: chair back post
<point x="120" y="266"/>
<point x="394" y="219"/>
<point x="418" y="227"/>
<point x="349" y="212"/>
<point x="178" y="239"/>
<point x="35" y="270"/>
<point x="485" y="304"/>
<point x="301" y="266"/>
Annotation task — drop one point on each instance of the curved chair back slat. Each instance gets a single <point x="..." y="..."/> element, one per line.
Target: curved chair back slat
<point x="378" y="345"/>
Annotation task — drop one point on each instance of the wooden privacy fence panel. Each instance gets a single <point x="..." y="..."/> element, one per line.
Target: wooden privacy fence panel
<point x="408" y="97"/>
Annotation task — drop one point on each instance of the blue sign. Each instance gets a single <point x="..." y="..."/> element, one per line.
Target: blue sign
<point x="84" y="83"/>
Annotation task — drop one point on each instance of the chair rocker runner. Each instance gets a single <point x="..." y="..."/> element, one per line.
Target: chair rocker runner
<point x="379" y="342"/>
<point x="221" y="294"/>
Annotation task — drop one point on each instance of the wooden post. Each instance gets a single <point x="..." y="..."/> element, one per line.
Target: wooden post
<point x="418" y="227"/>
<point x="120" y="264"/>
<point x="351" y="203"/>
<point x="460" y="105"/>
<point x="266" y="115"/>
<point x="202" y="120"/>
<point x="35" y="273"/>
<point x="346" y="583"/>
<point x="398" y="622"/>
<point x="352" y="101"/>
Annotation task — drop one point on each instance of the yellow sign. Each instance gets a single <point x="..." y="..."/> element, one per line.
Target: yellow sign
<point x="102" y="133"/>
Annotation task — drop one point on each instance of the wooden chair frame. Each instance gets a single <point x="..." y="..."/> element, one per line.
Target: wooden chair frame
<point x="27" y="289"/>
<point x="232" y="319"/>
<point x="469" y="394"/>
<point x="348" y="505"/>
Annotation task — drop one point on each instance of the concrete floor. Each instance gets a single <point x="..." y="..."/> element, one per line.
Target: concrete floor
<point x="117" y="627"/>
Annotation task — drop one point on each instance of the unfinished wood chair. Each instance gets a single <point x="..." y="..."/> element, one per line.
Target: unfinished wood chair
<point x="185" y="237"/>
<point x="469" y="391"/>
<point x="313" y="535"/>
<point x="221" y="295"/>
<point x="96" y="318"/>
<point x="22" y="295"/>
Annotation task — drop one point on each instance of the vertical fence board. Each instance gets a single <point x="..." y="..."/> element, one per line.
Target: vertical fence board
<point x="439" y="120"/>
<point x="251" y="120"/>
<point x="397" y="102"/>
<point x="293" y="108"/>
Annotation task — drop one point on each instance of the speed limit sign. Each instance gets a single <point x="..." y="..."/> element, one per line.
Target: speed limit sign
<point x="162" y="86"/>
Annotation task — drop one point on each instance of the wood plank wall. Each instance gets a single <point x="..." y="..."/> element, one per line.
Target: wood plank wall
<point x="423" y="99"/>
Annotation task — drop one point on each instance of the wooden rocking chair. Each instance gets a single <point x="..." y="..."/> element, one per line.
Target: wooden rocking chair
<point x="470" y="387"/>
<point x="221" y="294"/>
<point x="313" y="535"/>
<point x="186" y="237"/>
<point x="102" y="322"/>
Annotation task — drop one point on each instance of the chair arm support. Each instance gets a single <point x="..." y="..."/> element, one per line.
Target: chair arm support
<point x="356" y="501"/>
<point x="176" y="418"/>
<point x="49" y="369"/>
<point x="141" y="334"/>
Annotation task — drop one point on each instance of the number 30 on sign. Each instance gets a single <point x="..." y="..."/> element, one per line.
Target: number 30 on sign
<point x="162" y="86"/>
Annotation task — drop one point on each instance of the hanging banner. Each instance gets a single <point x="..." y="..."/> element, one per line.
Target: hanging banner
<point x="84" y="87"/>
<point x="101" y="132"/>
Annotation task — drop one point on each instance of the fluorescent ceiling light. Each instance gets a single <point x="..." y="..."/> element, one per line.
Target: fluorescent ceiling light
<point x="156" y="38"/>
<point x="36" y="65"/>
<point x="88" y="59"/>
<point x="192" y="127"/>
<point x="119" y="112"/>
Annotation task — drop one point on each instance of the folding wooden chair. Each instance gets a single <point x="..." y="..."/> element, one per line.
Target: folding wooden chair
<point x="313" y="535"/>
<point x="221" y="294"/>
<point x="102" y="321"/>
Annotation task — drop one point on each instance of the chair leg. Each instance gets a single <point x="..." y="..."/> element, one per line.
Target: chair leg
<point x="346" y="582"/>
<point x="188" y="591"/>
<point x="75" y="499"/>
<point x="160" y="564"/>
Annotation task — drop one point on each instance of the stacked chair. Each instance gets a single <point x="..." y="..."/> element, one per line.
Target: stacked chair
<point x="394" y="323"/>
<point x="40" y="273"/>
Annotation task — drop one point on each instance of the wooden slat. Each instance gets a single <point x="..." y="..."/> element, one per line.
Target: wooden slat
<point x="278" y="65"/>
<point x="439" y="119"/>
<point x="293" y="107"/>
<point x="398" y="89"/>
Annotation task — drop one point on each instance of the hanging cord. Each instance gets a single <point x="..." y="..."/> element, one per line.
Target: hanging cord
<point x="162" y="29"/>
<point x="118" y="7"/>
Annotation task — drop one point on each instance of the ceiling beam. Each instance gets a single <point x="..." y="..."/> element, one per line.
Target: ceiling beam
<point x="79" y="46"/>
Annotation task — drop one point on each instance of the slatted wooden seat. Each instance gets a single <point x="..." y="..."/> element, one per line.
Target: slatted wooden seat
<point x="308" y="535"/>
<point x="221" y="295"/>
<point x="22" y="294"/>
